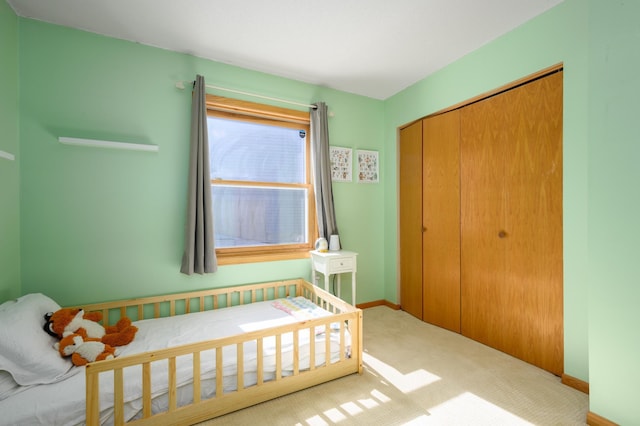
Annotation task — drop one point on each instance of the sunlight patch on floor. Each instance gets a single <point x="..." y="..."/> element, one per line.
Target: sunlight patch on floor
<point x="347" y="410"/>
<point x="351" y="408"/>
<point x="465" y="408"/>
<point x="404" y="382"/>
<point x="335" y="415"/>
<point x="418" y="421"/>
<point x="316" y="421"/>
<point x="468" y="408"/>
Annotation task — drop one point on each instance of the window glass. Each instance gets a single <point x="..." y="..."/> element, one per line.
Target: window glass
<point x="246" y="216"/>
<point x="256" y="152"/>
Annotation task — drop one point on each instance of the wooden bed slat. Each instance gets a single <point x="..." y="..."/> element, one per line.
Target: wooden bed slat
<point x="146" y="389"/>
<point x="118" y="396"/>
<point x="260" y="361"/>
<point x="296" y="353"/>
<point x="278" y="356"/>
<point x="343" y="349"/>
<point x="219" y="377"/>
<point x="173" y="403"/>
<point x="196" y="377"/>
<point x="92" y="395"/>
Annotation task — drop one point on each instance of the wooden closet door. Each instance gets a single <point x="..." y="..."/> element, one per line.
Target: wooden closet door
<point x="511" y="221"/>
<point x="410" y="218"/>
<point x="441" y="220"/>
<point x="482" y="199"/>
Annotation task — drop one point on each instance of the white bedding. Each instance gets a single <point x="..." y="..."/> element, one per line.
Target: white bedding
<point x="63" y="403"/>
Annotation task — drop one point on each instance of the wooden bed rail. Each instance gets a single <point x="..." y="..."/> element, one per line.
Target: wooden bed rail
<point x="197" y="301"/>
<point x="170" y="355"/>
<point x="348" y="317"/>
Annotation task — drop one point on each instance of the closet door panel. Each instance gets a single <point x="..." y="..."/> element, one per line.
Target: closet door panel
<point x="511" y="158"/>
<point x="441" y="220"/>
<point x="534" y="219"/>
<point x="410" y="218"/>
<point x="482" y="198"/>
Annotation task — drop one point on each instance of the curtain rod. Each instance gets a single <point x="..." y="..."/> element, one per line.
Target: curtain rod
<point x="180" y="85"/>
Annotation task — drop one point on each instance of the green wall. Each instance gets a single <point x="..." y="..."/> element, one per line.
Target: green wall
<point x="614" y="210"/>
<point x="9" y="170"/>
<point x="103" y="224"/>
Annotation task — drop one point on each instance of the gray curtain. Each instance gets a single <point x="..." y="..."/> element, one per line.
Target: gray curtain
<point x="321" y="164"/>
<point x="199" y="252"/>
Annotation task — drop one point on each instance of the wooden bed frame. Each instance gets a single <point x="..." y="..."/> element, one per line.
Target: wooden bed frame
<point x="348" y="316"/>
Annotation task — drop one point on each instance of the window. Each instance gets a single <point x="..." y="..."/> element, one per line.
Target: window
<point x="262" y="196"/>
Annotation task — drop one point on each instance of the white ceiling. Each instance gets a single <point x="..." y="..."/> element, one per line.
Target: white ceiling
<point x="373" y="48"/>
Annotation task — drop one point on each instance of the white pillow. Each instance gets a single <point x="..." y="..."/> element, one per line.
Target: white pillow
<point x="26" y="350"/>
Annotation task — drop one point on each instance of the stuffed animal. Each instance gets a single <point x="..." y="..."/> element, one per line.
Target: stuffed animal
<point x="66" y="321"/>
<point x="84" y="351"/>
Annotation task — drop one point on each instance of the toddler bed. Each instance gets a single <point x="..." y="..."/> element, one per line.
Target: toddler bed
<point x="196" y="356"/>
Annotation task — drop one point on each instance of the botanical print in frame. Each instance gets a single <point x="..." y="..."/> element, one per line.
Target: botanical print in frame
<point x="340" y="164"/>
<point x="368" y="166"/>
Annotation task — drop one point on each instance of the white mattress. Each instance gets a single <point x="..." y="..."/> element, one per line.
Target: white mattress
<point x="63" y="403"/>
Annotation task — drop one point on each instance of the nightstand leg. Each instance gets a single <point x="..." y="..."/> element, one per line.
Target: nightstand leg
<point x="353" y="288"/>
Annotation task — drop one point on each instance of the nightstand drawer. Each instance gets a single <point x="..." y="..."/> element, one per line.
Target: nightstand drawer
<point x="345" y="264"/>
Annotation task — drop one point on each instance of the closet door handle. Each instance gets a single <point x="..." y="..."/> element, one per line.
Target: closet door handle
<point x="502" y="234"/>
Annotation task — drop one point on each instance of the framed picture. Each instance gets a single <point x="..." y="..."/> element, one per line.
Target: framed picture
<point x="341" y="163"/>
<point x="368" y="168"/>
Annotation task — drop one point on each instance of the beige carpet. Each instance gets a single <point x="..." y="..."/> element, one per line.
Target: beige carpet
<point x="418" y="374"/>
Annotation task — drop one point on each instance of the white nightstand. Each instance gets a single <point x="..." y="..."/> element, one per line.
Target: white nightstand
<point x="334" y="263"/>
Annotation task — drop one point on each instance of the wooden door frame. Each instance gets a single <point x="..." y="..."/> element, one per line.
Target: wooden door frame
<point x="512" y="85"/>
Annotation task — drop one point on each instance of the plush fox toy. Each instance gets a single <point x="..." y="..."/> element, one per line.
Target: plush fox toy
<point x="66" y="321"/>
<point x="83" y="351"/>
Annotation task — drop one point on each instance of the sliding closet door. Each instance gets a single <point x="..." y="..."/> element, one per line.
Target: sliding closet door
<point x="441" y="220"/>
<point x="511" y="221"/>
<point x="410" y="218"/>
<point x="482" y="199"/>
<point x="534" y="218"/>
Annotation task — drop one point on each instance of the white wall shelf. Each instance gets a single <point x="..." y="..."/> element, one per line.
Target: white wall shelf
<point x="107" y="144"/>
<point x="7" y="156"/>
